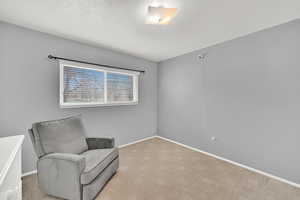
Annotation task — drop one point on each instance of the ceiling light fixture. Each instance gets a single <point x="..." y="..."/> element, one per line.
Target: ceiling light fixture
<point x="160" y="15"/>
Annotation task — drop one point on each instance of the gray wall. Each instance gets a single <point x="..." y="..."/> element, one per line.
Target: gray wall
<point x="246" y="93"/>
<point x="29" y="85"/>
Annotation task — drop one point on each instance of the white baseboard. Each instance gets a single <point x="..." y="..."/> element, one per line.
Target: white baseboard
<point x="29" y="173"/>
<point x="137" y="141"/>
<point x="121" y="146"/>
<point x="204" y="152"/>
<point x="234" y="163"/>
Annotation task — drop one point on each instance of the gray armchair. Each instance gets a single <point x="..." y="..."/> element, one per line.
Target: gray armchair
<point x="71" y="166"/>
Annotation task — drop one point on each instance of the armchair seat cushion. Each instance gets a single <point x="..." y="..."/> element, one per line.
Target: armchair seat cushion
<point x="96" y="161"/>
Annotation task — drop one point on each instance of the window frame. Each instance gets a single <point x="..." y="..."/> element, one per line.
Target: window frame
<point x="105" y="70"/>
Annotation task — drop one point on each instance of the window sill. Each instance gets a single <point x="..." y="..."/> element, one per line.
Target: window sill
<point x="86" y="105"/>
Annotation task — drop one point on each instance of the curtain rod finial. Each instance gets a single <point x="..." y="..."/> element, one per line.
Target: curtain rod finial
<point x="202" y="56"/>
<point x="50" y="56"/>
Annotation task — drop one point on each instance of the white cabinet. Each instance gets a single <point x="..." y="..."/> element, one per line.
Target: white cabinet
<point x="10" y="168"/>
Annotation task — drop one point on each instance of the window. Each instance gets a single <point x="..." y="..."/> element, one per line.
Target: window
<point x="84" y="85"/>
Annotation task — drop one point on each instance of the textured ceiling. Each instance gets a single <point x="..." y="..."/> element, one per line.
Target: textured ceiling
<point x="119" y="24"/>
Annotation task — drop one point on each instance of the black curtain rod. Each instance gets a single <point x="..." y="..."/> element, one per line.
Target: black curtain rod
<point x="84" y="62"/>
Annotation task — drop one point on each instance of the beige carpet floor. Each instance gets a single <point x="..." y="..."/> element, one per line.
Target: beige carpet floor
<point x="160" y="170"/>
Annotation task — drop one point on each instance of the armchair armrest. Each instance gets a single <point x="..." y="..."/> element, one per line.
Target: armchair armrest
<point x="73" y="159"/>
<point x="100" y="143"/>
<point x="59" y="174"/>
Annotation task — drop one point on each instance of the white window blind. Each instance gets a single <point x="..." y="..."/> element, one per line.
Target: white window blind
<point x="83" y="85"/>
<point x="119" y="87"/>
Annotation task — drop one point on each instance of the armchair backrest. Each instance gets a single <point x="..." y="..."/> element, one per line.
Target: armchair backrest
<point x="59" y="136"/>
